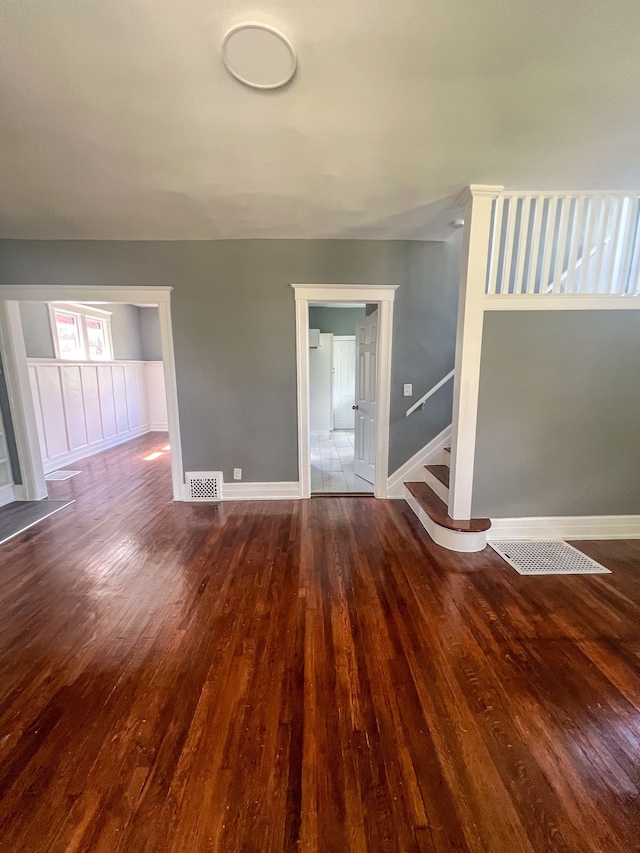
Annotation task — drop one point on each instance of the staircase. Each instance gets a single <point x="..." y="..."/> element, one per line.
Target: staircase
<point x="429" y="501"/>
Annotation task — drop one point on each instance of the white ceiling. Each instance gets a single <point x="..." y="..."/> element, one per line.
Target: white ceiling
<point x="120" y="121"/>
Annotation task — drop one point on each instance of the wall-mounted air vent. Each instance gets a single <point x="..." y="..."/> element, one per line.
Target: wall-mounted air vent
<point x="204" y="485"/>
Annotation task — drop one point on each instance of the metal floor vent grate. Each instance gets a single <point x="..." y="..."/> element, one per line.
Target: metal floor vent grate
<point x="204" y="485"/>
<point x="61" y="475"/>
<point x="547" y="558"/>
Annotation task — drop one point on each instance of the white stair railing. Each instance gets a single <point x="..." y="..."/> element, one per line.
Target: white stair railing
<point x="420" y="403"/>
<point x="564" y="244"/>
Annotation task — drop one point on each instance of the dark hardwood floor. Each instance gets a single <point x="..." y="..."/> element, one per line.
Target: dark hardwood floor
<point x="315" y="675"/>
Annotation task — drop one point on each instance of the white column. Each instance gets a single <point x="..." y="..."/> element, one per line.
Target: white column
<point x="477" y="202"/>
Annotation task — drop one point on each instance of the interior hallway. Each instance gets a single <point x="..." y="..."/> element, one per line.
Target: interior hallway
<point x="332" y="463"/>
<point x="310" y="675"/>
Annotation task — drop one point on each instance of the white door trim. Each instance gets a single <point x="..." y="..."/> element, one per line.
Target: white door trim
<point x="383" y="294"/>
<point x="17" y="376"/>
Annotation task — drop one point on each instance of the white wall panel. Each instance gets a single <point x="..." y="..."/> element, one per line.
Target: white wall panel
<point x="120" y="398"/>
<point x="156" y="395"/>
<point x="131" y="393"/>
<point x="143" y="393"/>
<point x="107" y="403"/>
<point x="53" y="415"/>
<point x="84" y="408"/>
<point x="92" y="414"/>
<point x="73" y="407"/>
<point x="33" y="382"/>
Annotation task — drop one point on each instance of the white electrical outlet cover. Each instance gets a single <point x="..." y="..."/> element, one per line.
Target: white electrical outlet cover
<point x="408" y="390"/>
<point x="237" y="473"/>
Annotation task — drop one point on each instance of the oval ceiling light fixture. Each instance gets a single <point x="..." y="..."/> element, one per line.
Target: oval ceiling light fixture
<point x="259" y="56"/>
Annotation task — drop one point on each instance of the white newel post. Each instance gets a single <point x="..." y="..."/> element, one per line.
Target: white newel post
<point x="477" y="201"/>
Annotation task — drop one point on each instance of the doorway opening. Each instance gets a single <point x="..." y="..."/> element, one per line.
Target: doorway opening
<point x="342" y="397"/>
<point x="343" y="346"/>
<point x="96" y="378"/>
<point x="88" y="369"/>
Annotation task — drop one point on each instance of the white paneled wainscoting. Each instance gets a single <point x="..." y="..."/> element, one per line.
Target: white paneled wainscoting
<point x="82" y="408"/>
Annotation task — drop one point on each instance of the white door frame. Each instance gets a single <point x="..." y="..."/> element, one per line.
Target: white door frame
<point x="17" y="376"/>
<point x="383" y="294"/>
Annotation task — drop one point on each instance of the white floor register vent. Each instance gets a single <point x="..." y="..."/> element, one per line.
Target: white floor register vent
<point x="61" y="475"/>
<point x="547" y="558"/>
<point x="204" y="485"/>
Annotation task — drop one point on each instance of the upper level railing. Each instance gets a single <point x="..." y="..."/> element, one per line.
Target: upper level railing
<point x="564" y="243"/>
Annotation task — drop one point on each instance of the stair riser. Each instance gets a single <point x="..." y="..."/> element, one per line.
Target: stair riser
<point x="453" y="540"/>
<point x="439" y="488"/>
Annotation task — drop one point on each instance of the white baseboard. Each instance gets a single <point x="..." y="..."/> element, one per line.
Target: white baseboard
<point x="7" y="494"/>
<point x="159" y="427"/>
<point x="413" y="469"/>
<point x="261" y="491"/>
<point x="566" y="527"/>
<point x="84" y="452"/>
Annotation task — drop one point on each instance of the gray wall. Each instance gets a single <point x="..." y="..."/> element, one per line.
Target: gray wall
<point x="234" y="331"/>
<point x="335" y="321"/>
<point x="125" y="332"/>
<point x="36" y="328"/>
<point x="150" y="330"/>
<point x="424" y="342"/>
<point x="559" y="414"/>
<point x="135" y="331"/>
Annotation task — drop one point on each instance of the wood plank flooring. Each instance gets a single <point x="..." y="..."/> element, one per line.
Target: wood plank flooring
<point x="19" y="515"/>
<point x="314" y="675"/>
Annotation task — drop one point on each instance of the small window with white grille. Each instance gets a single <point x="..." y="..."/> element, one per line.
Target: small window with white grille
<point x="81" y="332"/>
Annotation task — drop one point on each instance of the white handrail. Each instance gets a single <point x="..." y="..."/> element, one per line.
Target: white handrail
<point x="420" y="403"/>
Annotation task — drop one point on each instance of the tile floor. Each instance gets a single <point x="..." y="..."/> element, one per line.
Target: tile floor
<point x="332" y="463"/>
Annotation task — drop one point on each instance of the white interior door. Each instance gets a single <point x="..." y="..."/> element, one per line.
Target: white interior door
<point x="366" y="397"/>
<point x="344" y="382"/>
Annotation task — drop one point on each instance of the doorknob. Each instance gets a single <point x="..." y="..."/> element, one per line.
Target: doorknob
<point x="355" y="407"/>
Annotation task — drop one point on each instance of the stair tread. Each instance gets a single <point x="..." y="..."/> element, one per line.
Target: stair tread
<point x="437" y="510"/>
<point x="440" y="472"/>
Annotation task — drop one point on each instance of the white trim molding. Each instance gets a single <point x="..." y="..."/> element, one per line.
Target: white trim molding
<point x="562" y="302"/>
<point x="85" y="293"/>
<point x="478" y="203"/>
<point x="384" y="295"/>
<point x="286" y="491"/>
<point x="413" y="468"/>
<point x="566" y="527"/>
<point x="78" y="455"/>
<point x="17" y="376"/>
